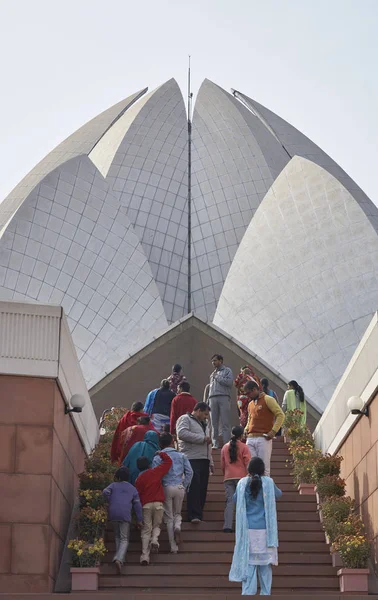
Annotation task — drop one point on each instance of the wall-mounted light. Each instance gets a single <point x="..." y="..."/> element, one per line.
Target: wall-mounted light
<point x="77" y="402"/>
<point x="356" y="406"/>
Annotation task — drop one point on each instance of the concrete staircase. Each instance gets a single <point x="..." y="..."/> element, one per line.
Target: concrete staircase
<point x="200" y="570"/>
<point x="202" y="565"/>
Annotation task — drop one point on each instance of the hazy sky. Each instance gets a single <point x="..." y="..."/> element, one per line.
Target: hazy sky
<point x="314" y="62"/>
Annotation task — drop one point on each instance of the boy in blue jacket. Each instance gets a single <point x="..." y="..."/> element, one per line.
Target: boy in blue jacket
<point x="122" y="498"/>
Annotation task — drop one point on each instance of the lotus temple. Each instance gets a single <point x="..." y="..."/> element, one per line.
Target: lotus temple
<point x="112" y="269"/>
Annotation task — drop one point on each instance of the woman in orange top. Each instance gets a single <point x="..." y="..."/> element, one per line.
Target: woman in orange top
<point x="235" y="457"/>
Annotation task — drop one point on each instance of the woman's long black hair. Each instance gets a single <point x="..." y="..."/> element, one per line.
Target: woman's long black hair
<point x="256" y="470"/>
<point x="265" y="385"/>
<point x="297" y="389"/>
<point x="236" y="434"/>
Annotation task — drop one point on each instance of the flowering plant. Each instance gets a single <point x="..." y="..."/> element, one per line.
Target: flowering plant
<point x="326" y="465"/>
<point x="300" y="433"/>
<point x="337" y="508"/>
<point x="86" y="554"/>
<point x="293" y="418"/>
<point x="335" y="529"/>
<point x="302" y="471"/>
<point x="91" y="522"/>
<point x="111" y="420"/>
<point x="330" y="485"/>
<point x="91" y="498"/>
<point x="354" y="550"/>
<point x="96" y="463"/>
<point x="304" y="450"/>
<point x="95" y="481"/>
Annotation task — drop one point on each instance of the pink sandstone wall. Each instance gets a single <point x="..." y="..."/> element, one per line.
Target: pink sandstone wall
<point x="360" y="470"/>
<point x="40" y="458"/>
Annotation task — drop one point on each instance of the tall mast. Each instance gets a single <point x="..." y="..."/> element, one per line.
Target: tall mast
<point x="190" y="96"/>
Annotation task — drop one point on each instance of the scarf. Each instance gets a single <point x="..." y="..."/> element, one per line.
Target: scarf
<point x="148" y="448"/>
<point x="129" y="419"/>
<point x="239" y="567"/>
<point x="150" y="401"/>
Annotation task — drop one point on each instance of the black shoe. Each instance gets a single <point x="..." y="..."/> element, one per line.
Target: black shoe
<point x="227" y="531"/>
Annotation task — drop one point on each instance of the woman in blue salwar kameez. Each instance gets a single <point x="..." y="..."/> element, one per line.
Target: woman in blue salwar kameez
<point x="256" y="530"/>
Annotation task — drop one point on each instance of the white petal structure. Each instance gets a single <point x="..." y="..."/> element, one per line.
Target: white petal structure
<point x="71" y="243"/>
<point x="284" y="244"/>
<point x="149" y="175"/>
<point x="235" y="161"/>
<point x="304" y="282"/>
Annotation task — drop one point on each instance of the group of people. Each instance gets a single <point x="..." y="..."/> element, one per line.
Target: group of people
<point x="164" y="451"/>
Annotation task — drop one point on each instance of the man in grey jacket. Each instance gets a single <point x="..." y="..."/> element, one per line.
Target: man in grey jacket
<point x="221" y="380"/>
<point x="194" y="441"/>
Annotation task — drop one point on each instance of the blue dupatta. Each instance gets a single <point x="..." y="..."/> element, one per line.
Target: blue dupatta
<point x="239" y="566"/>
<point x="150" y="401"/>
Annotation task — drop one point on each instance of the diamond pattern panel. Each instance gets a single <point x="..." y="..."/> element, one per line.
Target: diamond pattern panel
<point x="304" y="283"/>
<point x="149" y="177"/>
<point x="80" y="142"/>
<point x="298" y="144"/>
<point x="235" y="161"/>
<point x="72" y="244"/>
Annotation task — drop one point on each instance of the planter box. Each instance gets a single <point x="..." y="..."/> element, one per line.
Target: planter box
<point x="84" y="579"/>
<point x="353" y="580"/>
<point x="328" y="541"/>
<point x="321" y="516"/>
<point x="306" y="489"/>
<point x="336" y="558"/>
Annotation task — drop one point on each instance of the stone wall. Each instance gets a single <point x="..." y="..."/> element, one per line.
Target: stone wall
<point x="360" y="470"/>
<point x="41" y="456"/>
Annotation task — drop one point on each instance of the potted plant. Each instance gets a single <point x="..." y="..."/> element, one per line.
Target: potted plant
<point x="85" y="563"/>
<point x="302" y="473"/>
<point x="334" y="512"/>
<point x="330" y="485"/>
<point x="326" y="465"/>
<point x="293" y="420"/>
<point x="335" y="528"/>
<point x="354" y="551"/>
<point x="91" y="522"/>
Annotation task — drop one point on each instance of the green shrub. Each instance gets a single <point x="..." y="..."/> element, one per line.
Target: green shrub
<point x="95" y="481"/>
<point x="330" y="485"/>
<point x="326" y="465"/>
<point x="302" y="471"/>
<point x="354" y="551"/>
<point x="337" y="508"/>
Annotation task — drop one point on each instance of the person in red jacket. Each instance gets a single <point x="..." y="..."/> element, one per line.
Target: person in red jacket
<point x="129" y="419"/>
<point x="181" y="404"/>
<point x="151" y="494"/>
<point x="134" y="434"/>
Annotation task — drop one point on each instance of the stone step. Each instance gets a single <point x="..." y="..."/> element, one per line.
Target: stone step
<point x="208" y="558"/>
<point x="282" y="505"/>
<point x="218" y="526"/>
<point x="292" y="496"/>
<point x="216" y="593"/>
<point x="208" y="581"/>
<point x="161" y="594"/>
<point x="228" y="546"/>
<point x="219" y="496"/>
<point x="284" y="570"/>
<point x="284" y="487"/>
<point x="201" y="536"/>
